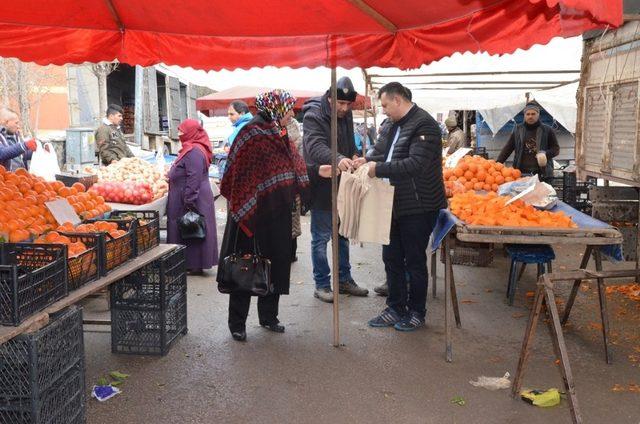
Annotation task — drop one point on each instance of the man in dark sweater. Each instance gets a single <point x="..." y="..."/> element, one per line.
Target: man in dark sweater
<point x="410" y="156"/>
<point x="316" y="141"/>
<point x="534" y="143"/>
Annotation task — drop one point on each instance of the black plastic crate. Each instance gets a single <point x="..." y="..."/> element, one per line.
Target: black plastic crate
<point x="116" y="251"/>
<point x="148" y="332"/>
<point x="63" y="403"/>
<point x="153" y="286"/>
<point x="32" y="276"/>
<point x="148" y="230"/>
<point x="85" y="267"/>
<point x="470" y="254"/>
<point x="31" y="364"/>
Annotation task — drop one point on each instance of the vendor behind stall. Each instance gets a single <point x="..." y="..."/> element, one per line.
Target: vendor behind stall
<point x="535" y="144"/>
<point x="109" y="137"/>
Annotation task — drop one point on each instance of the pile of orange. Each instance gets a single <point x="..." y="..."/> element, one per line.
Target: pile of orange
<point x="477" y="173"/>
<point x="96" y="227"/>
<point x="23" y="214"/>
<point x="53" y="237"/>
<point x="491" y="210"/>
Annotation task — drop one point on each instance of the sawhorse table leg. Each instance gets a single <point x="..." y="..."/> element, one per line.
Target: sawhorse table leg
<point x="449" y="297"/>
<point x="602" y="297"/>
<point x="544" y="292"/>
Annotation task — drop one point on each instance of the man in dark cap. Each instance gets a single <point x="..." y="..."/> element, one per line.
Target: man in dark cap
<point x="317" y="151"/>
<point x="534" y="143"/>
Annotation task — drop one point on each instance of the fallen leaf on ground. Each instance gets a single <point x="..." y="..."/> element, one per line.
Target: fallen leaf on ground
<point x="468" y="301"/>
<point x="488" y="290"/>
<point x="530" y="294"/>
<point x="517" y="315"/>
<point x="458" y="400"/>
<point x="557" y="362"/>
<point x="618" y="388"/>
<point x="595" y="326"/>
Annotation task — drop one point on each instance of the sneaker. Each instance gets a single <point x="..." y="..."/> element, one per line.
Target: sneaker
<point x="350" y="287"/>
<point x="324" y="294"/>
<point x="387" y="318"/>
<point x="382" y="289"/>
<point x="412" y="322"/>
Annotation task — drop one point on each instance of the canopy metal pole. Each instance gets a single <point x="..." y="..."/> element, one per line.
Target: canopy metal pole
<point x="334" y="208"/>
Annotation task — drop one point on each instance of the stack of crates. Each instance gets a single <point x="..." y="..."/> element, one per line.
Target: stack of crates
<point x="42" y="373"/>
<point x="576" y="193"/>
<point x="149" y="307"/>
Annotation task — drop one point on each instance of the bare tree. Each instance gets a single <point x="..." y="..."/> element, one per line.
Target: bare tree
<point x="23" y="86"/>
<point x="101" y="71"/>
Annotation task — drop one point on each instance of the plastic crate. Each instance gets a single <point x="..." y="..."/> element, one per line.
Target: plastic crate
<point x="148" y="230"/>
<point x="116" y="251"/>
<point x="153" y="286"/>
<point x="148" y="332"/>
<point x="470" y="254"/>
<point x="32" y="276"/>
<point x="84" y="268"/>
<point x="42" y="373"/>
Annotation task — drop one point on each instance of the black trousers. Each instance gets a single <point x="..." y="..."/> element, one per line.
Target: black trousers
<point x="239" y="310"/>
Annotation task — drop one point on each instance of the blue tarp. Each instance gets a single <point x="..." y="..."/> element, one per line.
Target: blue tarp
<point x="169" y="159"/>
<point x="447" y="220"/>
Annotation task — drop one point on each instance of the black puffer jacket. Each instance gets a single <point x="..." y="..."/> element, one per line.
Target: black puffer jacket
<point x="415" y="169"/>
<point x="316" y="140"/>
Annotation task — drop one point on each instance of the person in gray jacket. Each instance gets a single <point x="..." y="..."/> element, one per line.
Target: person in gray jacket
<point x="316" y="139"/>
<point x="14" y="151"/>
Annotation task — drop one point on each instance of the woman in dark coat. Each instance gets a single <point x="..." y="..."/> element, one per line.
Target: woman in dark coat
<point x="190" y="190"/>
<point x="264" y="175"/>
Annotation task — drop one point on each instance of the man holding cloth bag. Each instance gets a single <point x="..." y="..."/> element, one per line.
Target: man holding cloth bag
<point x="409" y="155"/>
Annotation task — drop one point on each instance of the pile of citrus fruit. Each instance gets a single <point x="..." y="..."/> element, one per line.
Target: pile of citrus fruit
<point x="23" y="214"/>
<point x="477" y="173"/>
<point x="76" y="248"/>
<point x="491" y="210"/>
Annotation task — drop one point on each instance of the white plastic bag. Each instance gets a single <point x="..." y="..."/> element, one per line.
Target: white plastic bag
<point x="44" y="163"/>
<point x="160" y="161"/>
<point x="492" y="383"/>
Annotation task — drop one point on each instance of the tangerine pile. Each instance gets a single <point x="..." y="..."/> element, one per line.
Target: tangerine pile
<point x="53" y="237"/>
<point x="477" y="173"/>
<point x="23" y="214"/>
<point x="77" y="248"/>
<point x="491" y="210"/>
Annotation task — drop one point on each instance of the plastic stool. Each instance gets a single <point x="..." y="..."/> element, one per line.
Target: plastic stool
<point x="539" y="254"/>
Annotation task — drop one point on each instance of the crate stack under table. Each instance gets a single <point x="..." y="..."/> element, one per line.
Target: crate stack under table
<point x="42" y="373"/>
<point x="149" y="306"/>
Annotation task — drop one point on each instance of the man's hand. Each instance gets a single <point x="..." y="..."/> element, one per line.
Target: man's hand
<point x="372" y="169"/>
<point x="325" y="171"/>
<point x="357" y="163"/>
<point x="345" y="164"/>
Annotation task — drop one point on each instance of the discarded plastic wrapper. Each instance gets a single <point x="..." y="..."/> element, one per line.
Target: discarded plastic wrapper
<point x="531" y="191"/>
<point x="541" y="398"/>
<point x="103" y="393"/>
<point x="492" y="383"/>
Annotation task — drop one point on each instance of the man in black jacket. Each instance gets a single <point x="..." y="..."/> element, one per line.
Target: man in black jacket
<point x="316" y="141"/>
<point x="410" y="157"/>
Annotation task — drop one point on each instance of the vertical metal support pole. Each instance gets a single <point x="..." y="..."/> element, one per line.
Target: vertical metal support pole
<point x="334" y="208"/>
<point x="138" y="110"/>
<point x="447" y="298"/>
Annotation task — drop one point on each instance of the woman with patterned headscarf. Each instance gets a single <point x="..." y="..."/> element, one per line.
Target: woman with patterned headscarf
<point x="264" y="175"/>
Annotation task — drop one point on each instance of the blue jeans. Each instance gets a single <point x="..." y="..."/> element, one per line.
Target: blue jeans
<point x="404" y="256"/>
<point x="320" y="236"/>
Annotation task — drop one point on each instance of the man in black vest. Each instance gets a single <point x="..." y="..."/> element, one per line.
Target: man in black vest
<point x="410" y="156"/>
<point x="534" y="143"/>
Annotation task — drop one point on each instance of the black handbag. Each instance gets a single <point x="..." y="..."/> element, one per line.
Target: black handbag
<point x="249" y="273"/>
<point x="192" y="226"/>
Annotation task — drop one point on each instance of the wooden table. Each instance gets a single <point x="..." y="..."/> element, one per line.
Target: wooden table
<point x="40" y="319"/>
<point x="593" y="238"/>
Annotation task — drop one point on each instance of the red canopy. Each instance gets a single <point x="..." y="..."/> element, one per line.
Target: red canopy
<point x="209" y="34"/>
<point x="216" y="104"/>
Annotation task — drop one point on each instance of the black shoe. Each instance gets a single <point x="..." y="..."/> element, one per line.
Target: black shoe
<point x="239" y="336"/>
<point x="276" y="328"/>
<point x="294" y="259"/>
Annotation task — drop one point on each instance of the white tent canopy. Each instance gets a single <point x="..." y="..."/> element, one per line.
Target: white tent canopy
<point x="482" y="82"/>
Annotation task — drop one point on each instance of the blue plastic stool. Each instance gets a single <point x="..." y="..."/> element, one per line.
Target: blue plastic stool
<point x="539" y="254"/>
